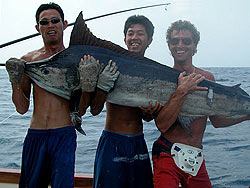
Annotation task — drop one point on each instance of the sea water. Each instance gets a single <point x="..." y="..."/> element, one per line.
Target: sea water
<point x="227" y="150"/>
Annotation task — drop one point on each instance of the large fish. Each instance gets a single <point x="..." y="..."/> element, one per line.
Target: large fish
<point x="141" y="79"/>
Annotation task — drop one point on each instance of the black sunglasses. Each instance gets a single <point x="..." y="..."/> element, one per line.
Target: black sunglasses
<point x="52" y="20"/>
<point x="185" y="41"/>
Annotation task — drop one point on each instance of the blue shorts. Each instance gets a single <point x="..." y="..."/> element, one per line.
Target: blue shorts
<point x="122" y="162"/>
<point x="48" y="157"/>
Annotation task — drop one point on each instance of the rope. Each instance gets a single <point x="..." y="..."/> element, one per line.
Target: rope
<point x="7" y="118"/>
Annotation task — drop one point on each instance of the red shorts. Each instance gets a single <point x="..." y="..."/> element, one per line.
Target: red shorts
<point x="168" y="175"/>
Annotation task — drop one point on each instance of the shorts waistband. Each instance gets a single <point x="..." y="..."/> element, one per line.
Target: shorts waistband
<point x="51" y="131"/>
<point x="123" y="136"/>
<point x="161" y="145"/>
<point x="164" y="142"/>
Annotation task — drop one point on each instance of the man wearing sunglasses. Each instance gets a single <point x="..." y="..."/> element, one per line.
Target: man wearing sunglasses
<point x="177" y="155"/>
<point x="49" y="147"/>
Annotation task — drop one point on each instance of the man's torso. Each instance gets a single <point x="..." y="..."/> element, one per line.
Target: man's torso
<point x="176" y="134"/>
<point x="50" y="111"/>
<point x="123" y="119"/>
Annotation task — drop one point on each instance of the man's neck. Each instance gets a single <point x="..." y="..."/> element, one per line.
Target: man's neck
<point x="51" y="49"/>
<point x="139" y="53"/>
<point x="186" y="66"/>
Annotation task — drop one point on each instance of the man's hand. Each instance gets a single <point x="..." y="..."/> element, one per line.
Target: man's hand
<point x="15" y="69"/>
<point x="89" y="69"/>
<point x="108" y="77"/>
<point x="149" y="113"/>
<point x="189" y="83"/>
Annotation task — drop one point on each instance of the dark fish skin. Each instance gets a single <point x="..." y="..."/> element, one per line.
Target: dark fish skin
<point x="141" y="79"/>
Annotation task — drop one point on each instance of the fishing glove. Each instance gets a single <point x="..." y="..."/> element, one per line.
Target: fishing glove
<point x="15" y="69"/>
<point x="108" y="77"/>
<point x="89" y="70"/>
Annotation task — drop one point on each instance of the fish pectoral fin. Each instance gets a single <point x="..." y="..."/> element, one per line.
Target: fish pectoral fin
<point x="76" y="120"/>
<point x="185" y="122"/>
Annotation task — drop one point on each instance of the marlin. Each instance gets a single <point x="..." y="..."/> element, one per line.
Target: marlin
<point x="141" y="80"/>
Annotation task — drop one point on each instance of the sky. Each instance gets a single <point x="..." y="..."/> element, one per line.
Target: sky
<point x="224" y="26"/>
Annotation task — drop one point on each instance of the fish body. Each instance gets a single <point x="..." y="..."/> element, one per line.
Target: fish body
<point x="141" y="80"/>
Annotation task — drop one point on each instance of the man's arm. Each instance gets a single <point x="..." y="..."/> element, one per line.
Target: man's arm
<point x="219" y="121"/>
<point x="21" y="84"/>
<point x="91" y="78"/>
<point x="168" y="114"/>
<point x="89" y="70"/>
<point x="149" y="113"/>
<point x="105" y="83"/>
<point x="93" y="100"/>
<point x="97" y="103"/>
<point x="84" y="103"/>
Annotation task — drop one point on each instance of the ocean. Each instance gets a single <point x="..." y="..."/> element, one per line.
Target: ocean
<point x="226" y="150"/>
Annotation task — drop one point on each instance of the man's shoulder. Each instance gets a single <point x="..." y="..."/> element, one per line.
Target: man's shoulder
<point x="33" y="55"/>
<point x="208" y="75"/>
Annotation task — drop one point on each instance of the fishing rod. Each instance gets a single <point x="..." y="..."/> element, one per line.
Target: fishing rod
<point x="7" y="118"/>
<point x="93" y="18"/>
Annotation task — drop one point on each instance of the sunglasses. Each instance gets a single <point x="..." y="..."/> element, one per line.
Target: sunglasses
<point x="185" y="41"/>
<point x="52" y="20"/>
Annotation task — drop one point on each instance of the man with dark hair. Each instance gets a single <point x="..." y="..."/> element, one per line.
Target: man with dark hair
<point x="49" y="147"/>
<point x="51" y="5"/>
<point x="122" y="158"/>
<point x="138" y="21"/>
<point x="177" y="155"/>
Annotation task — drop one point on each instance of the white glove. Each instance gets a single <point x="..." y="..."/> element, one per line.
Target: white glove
<point x="108" y="77"/>
<point x="15" y="69"/>
<point x="89" y="70"/>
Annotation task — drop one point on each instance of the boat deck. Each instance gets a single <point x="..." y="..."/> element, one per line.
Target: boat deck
<point x="9" y="178"/>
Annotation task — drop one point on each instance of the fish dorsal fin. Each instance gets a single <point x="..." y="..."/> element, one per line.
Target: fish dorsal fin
<point x="239" y="90"/>
<point x="81" y="35"/>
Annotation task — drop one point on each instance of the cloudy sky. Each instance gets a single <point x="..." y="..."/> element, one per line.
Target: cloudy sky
<point x="224" y="26"/>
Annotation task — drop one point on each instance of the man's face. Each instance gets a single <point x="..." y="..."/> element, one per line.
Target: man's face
<point x="50" y="27"/>
<point x="181" y="45"/>
<point x="137" y="39"/>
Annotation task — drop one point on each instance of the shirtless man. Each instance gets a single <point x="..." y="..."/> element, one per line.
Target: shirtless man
<point x="50" y="129"/>
<point x="122" y="158"/>
<point x="182" y="39"/>
<point x="49" y="147"/>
